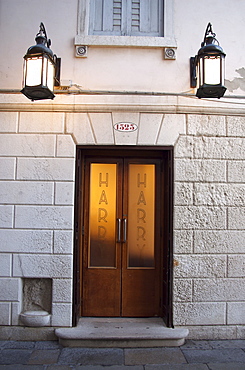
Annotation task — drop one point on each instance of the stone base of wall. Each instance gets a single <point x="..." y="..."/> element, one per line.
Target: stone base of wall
<point x="215" y="332"/>
<point x="24" y="333"/>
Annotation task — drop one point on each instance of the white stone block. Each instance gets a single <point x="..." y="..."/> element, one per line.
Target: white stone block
<point x="172" y="127"/>
<point x="26" y="241"/>
<point x="236" y="265"/>
<point x="218" y="290"/>
<point x="65" y="146"/>
<point x="219" y="194"/>
<point x="236" y="171"/>
<point x="200" y="170"/>
<point x="5" y="316"/>
<point x="219" y="147"/>
<point x="64" y="193"/>
<point x="5" y="264"/>
<point x="213" y="332"/>
<point x="44" y="217"/>
<point x="199" y="266"/>
<point x="62" y="290"/>
<point x="6" y="216"/>
<point x="182" y="290"/>
<point x="102" y="127"/>
<point x="236" y="218"/>
<point x="27" y="145"/>
<point x="79" y="125"/>
<point x="183" y="241"/>
<point x="57" y="169"/>
<point x="63" y="242"/>
<point x="125" y="138"/>
<point x="16" y="309"/>
<point x="225" y="241"/>
<point x="236" y="313"/>
<point x="149" y="127"/>
<point x="9" y="289"/>
<point x="35" y="266"/>
<point x="184" y="147"/>
<point x="202" y="217"/>
<point x="184" y="193"/>
<point x="24" y="192"/>
<point x="199" y="313"/>
<point x="236" y="126"/>
<point x="61" y="314"/>
<point x="48" y="122"/>
<point x="198" y="124"/>
<point x="7" y="168"/>
<point x="8" y="121"/>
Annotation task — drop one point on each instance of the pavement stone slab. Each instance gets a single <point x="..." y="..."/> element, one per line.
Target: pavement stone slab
<point x="229" y="366"/>
<point x="15" y="356"/>
<point x="22" y="367"/>
<point x="91" y="356"/>
<point x="60" y="367"/>
<point x="115" y="367"/>
<point x="214" y="355"/>
<point x="235" y="343"/>
<point x="142" y="356"/>
<point x="177" y="367"/>
<point x="39" y="357"/>
<point x="48" y="344"/>
<point x="8" y="344"/>
<point x="196" y="344"/>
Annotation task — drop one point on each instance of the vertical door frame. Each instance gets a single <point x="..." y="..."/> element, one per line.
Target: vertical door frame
<point x="166" y="154"/>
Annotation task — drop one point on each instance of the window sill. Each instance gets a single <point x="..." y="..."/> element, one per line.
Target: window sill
<point x="125" y="41"/>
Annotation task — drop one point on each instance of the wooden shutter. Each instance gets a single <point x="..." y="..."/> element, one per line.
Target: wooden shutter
<point x="126" y="17"/>
<point x="105" y="17"/>
<point x="147" y="17"/>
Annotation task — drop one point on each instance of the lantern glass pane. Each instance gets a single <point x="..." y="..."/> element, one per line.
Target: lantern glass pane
<point x="50" y="81"/>
<point x="33" y="71"/>
<point x="45" y="62"/>
<point x="212" y="70"/>
<point x="48" y="73"/>
<point x="201" y="72"/>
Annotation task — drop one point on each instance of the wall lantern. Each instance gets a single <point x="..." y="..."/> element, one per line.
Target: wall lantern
<point x="208" y="64"/>
<point x="41" y="69"/>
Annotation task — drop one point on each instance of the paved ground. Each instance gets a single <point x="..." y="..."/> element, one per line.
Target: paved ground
<point x="194" y="355"/>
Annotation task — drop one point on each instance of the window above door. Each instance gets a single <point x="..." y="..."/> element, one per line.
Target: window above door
<point x="125" y="23"/>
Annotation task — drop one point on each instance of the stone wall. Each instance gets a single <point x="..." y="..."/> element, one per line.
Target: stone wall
<point x="37" y="173"/>
<point x="209" y="245"/>
<point x="36" y="213"/>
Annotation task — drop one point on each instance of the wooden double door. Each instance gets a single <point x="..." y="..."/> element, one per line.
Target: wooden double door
<point x="122" y="236"/>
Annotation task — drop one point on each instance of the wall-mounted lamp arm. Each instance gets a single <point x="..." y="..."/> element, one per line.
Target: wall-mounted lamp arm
<point x="193" y="71"/>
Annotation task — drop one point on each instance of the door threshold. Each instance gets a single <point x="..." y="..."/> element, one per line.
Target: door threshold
<point x="121" y="332"/>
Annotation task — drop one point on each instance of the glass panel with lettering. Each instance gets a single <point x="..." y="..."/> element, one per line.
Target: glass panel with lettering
<point x="141" y="215"/>
<point x="102" y="215"/>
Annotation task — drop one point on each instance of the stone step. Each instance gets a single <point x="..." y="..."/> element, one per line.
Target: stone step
<point x="121" y="332"/>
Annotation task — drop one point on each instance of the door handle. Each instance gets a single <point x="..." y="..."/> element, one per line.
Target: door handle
<point x="124" y="230"/>
<point x="119" y="221"/>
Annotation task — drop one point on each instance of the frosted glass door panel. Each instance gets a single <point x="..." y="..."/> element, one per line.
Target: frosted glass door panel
<point x="102" y="215"/>
<point x="141" y="215"/>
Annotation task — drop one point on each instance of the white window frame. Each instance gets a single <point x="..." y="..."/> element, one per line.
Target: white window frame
<point x="84" y="39"/>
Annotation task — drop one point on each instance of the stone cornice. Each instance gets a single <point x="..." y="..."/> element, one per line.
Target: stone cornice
<point x="127" y="103"/>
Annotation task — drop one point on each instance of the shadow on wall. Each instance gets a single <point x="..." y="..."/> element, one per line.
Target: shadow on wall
<point x="237" y="82"/>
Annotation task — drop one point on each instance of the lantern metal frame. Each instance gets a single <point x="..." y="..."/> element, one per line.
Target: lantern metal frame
<point x="210" y="49"/>
<point x="42" y="52"/>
